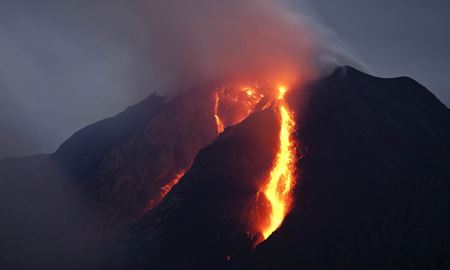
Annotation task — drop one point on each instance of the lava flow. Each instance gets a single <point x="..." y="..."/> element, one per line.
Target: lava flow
<point x="165" y="190"/>
<point x="219" y="122"/>
<point x="235" y="102"/>
<point x="232" y="104"/>
<point x="278" y="189"/>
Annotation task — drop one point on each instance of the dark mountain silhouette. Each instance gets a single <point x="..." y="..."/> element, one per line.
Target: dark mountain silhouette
<point x="82" y="154"/>
<point x="373" y="185"/>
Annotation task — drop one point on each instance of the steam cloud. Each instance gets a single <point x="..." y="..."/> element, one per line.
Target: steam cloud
<point x="108" y="54"/>
<point x="208" y="39"/>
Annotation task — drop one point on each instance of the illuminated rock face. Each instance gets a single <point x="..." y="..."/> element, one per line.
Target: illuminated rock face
<point x="209" y="211"/>
<point x="133" y="176"/>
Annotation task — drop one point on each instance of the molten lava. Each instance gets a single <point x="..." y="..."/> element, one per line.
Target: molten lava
<point x="219" y="123"/>
<point x="165" y="190"/>
<point x="234" y="102"/>
<point x="278" y="189"/>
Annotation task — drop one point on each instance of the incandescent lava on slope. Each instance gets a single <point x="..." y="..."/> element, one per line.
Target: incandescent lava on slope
<point x="231" y="105"/>
<point x="278" y="190"/>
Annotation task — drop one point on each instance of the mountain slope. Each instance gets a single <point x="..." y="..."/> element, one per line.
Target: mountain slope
<point x="131" y="177"/>
<point x="205" y="217"/>
<point x="83" y="152"/>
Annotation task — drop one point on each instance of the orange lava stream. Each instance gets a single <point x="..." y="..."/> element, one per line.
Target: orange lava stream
<point x="165" y="190"/>
<point x="278" y="189"/>
<point x="219" y="123"/>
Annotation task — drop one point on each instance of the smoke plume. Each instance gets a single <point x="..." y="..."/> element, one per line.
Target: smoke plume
<point x="192" y="41"/>
<point x="108" y="54"/>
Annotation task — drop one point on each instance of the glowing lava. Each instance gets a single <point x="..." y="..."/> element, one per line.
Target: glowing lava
<point x="165" y="190"/>
<point x="278" y="189"/>
<point x="219" y="122"/>
<point x="234" y="102"/>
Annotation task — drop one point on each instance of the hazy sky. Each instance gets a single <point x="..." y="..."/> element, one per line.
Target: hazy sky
<point x="65" y="64"/>
<point x="395" y="38"/>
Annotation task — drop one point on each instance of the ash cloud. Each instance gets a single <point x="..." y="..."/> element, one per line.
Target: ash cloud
<point x="199" y="40"/>
<point x="67" y="64"/>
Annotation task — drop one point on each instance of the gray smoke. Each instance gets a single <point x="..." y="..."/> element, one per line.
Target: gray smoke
<point x="191" y="41"/>
<point x="66" y="64"/>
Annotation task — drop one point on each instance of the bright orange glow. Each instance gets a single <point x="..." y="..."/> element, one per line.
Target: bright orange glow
<point x="278" y="189"/>
<point x="249" y="92"/>
<point x="165" y="189"/>
<point x="219" y="123"/>
<point x="233" y="103"/>
<point x="281" y="91"/>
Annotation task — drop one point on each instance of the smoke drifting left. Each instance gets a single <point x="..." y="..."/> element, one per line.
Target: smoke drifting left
<point x="202" y="40"/>
<point x="110" y="54"/>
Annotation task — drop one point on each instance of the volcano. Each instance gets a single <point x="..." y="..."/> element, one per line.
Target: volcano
<point x="185" y="183"/>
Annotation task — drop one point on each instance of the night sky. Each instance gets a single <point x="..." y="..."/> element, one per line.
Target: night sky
<point x="66" y="65"/>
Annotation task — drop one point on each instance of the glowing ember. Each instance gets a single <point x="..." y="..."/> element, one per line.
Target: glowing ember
<point x="236" y="103"/>
<point x="233" y="103"/>
<point x="219" y="122"/>
<point x="165" y="190"/>
<point x="278" y="189"/>
<point x="281" y="91"/>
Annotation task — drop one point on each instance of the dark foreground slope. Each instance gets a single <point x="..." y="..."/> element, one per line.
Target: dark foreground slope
<point x="374" y="189"/>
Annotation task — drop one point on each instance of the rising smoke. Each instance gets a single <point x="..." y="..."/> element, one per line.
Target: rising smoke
<point x="103" y="55"/>
<point x="192" y="41"/>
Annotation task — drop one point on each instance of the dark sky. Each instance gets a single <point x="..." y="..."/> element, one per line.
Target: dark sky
<point x="65" y="64"/>
<point x="395" y="38"/>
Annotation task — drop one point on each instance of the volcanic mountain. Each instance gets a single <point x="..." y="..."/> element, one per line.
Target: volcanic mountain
<point x="372" y="170"/>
